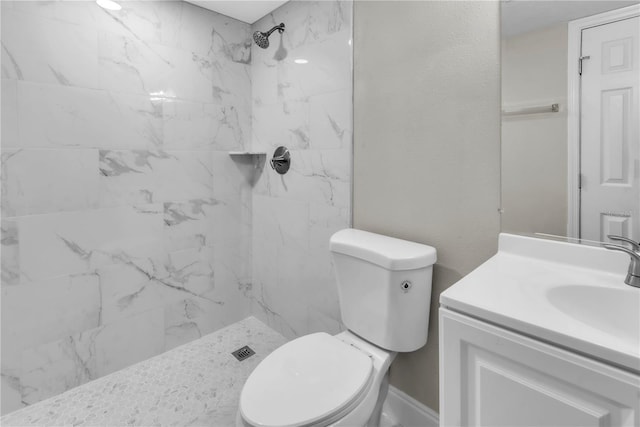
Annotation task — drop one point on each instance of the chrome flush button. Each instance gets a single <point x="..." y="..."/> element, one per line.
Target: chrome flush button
<point x="406" y="285"/>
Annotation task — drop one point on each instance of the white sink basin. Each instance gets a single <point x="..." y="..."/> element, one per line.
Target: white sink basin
<point x="573" y="296"/>
<point x="610" y="310"/>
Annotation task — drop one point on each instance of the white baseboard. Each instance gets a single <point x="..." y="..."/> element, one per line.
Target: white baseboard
<point x="400" y="408"/>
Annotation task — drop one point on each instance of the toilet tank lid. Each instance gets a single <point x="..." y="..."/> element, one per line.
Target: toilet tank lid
<point x="387" y="252"/>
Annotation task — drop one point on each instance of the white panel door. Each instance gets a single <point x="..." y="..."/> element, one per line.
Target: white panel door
<point x="493" y="377"/>
<point x="610" y="142"/>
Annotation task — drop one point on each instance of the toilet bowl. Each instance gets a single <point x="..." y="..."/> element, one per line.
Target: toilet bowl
<point x="316" y="380"/>
<point x="323" y="380"/>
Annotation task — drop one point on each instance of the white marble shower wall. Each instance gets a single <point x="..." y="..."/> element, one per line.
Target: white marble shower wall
<point x="305" y="106"/>
<point x="125" y="224"/>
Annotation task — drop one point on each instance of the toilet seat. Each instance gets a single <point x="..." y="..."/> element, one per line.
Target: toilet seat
<point x="310" y="380"/>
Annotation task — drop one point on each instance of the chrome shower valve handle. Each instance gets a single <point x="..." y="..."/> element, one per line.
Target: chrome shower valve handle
<point x="281" y="160"/>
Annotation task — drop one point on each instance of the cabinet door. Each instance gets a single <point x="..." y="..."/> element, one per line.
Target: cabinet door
<point x="493" y="377"/>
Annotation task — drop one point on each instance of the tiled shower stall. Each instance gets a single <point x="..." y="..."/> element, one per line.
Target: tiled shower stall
<point x="127" y="228"/>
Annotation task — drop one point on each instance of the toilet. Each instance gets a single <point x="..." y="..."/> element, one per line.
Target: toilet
<point x="318" y="379"/>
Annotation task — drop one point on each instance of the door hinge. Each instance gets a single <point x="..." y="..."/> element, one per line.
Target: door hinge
<point x="582" y="58"/>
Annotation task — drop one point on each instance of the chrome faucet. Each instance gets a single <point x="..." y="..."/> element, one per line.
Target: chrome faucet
<point x="634" y="245"/>
<point x="633" y="275"/>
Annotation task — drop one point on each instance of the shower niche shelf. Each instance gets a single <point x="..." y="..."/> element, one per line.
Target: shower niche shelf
<point x="252" y="162"/>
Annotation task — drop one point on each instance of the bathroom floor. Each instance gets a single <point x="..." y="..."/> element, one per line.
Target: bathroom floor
<point x="198" y="383"/>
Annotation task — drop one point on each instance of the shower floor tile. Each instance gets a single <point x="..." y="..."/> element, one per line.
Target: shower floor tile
<point x="198" y="383"/>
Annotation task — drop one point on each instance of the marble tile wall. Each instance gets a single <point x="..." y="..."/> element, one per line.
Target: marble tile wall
<point x="125" y="224"/>
<point x="307" y="108"/>
<point x="126" y="228"/>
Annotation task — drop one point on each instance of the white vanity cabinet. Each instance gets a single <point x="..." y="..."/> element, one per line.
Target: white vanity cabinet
<point x="490" y="376"/>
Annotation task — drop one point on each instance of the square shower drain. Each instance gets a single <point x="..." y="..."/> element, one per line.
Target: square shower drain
<point x="243" y="353"/>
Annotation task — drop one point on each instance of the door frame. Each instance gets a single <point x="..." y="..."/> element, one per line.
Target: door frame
<point x="573" y="104"/>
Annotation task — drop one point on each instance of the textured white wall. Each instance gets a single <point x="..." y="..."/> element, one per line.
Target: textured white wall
<point x="427" y="143"/>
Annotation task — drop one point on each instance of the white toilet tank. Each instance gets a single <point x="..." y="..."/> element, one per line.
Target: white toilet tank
<point x="384" y="286"/>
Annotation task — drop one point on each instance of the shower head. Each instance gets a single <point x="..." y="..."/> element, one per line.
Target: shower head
<point x="262" y="39"/>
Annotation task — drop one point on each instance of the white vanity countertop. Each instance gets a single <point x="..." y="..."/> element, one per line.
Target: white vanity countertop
<point x="571" y="295"/>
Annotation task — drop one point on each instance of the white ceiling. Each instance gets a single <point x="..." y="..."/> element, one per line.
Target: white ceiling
<point x="248" y="11"/>
<point x="522" y="16"/>
<point x="518" y="16"/>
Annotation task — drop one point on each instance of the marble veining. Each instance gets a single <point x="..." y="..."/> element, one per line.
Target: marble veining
<point x="9" y="240"/>
<point x="127" y="229"/>
<point x="125" y="226"/>
<point x="306" y="107"/>
<point x="198" y="383"/>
